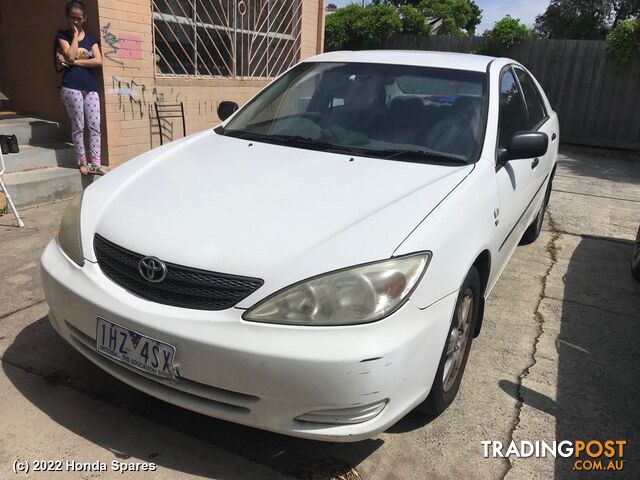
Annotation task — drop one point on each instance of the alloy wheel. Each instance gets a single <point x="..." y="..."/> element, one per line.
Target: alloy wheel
<point x="458" y="339"/>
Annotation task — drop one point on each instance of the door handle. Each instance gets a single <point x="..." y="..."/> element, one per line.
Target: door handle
<point x="553" y="137"/>
<point x="535" y="163"/>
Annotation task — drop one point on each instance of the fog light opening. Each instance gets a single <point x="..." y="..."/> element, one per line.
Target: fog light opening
<point x="345" y="416"/>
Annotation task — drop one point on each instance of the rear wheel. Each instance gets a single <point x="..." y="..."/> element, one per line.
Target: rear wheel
<point x="532" y="233"/>
<point x="635" y="260"/>
<point x="456" y="349"/>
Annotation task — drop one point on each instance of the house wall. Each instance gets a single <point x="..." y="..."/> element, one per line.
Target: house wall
<point x="132" y="86"/>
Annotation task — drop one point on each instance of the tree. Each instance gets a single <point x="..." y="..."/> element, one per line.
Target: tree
<point x="625" y="10"/>
<point x="474" y="19"/>
<point x="584" y="19"/>
<point x="413" y="21"/>
<point x="356" y="28"/>
<point x="506" y="33"/>
<point x="459" y="16"/>
<point x="624" y="40"/>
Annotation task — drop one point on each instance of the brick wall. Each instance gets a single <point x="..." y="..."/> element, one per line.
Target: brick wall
<point x="131" y="86"/>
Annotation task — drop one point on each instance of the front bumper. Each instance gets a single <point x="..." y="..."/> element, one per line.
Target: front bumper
<point x="260" y="375"/>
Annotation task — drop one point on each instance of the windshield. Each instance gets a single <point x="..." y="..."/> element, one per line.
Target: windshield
<point x="387" y="111"/>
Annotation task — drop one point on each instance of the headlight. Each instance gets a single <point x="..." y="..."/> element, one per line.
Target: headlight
<point x="361" y="294"/>
<point x="69" y="235"/>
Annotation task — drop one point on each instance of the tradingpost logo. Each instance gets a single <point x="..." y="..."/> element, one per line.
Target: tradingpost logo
<point x="587" y="455"/>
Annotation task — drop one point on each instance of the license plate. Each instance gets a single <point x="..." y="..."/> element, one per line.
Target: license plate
<point x="135" y="349"/>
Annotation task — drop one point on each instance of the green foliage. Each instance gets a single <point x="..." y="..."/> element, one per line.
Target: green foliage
<point x="460" y="16"/>
<point x="508" y="32"/>
<point x="413" y="21"/>
<point x="357" y="28"/>
<point x="624" y="40"/>
<point x="335" y="30"/>
<point x="474" y="19"/>
<point x="584" y="19"/>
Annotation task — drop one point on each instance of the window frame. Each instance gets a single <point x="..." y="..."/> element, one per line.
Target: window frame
<point x="511" y="67"/>
<point x="505" y="69"/>
<point x="545" y="117"/>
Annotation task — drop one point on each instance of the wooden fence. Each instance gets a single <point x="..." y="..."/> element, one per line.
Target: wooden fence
<point x="596" y="98"/>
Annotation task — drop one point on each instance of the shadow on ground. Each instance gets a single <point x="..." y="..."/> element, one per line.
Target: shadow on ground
<point x="38" y="347"/>
<point x="598" y="384"/>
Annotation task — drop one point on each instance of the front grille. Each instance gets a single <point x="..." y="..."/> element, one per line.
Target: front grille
<point x="183" y="286"/>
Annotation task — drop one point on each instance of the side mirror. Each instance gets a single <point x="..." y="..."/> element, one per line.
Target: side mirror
<point x="226" y="109"/>
<point x="525" y="145"/>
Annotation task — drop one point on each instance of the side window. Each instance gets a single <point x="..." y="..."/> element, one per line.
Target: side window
<point x="535" y="105"/>
<point x="513" y="116"/>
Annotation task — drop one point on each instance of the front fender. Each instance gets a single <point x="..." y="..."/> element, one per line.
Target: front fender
<point x="457" y="231"/>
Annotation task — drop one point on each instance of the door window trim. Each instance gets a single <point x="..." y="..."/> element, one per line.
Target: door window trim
<point x="546" y="117"/>
<point x="511" y="67"/>
<point x="503" y="72"/>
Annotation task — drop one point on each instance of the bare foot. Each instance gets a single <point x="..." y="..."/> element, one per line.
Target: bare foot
<point x="84" y="169"/>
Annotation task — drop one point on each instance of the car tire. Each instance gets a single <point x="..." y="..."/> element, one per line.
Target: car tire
<point x="456" y="349"/>
<point x="635" y="259"/>
<point x="532" y="232"/>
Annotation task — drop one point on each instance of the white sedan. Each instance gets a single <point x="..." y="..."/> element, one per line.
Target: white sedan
<point x="318" y="264"/>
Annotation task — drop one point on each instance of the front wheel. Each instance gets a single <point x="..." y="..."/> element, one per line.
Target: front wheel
<point x="456" y="348"/>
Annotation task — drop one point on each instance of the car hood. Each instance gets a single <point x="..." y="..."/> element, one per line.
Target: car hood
<point x="278" y="213"/>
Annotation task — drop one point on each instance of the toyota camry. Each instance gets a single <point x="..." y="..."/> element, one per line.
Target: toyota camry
<point x="316" y="265"/>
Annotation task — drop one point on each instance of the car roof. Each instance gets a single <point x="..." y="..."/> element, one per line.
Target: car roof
<point x="422" y="58"/>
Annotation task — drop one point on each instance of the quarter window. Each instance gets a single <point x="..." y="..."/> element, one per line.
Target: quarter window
<point x="535" y="105"/>
<point x="513" y="116"/>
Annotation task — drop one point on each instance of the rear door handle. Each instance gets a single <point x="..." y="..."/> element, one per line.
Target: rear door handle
<point x="535" y="163"/>
<point x="553" y="137"/>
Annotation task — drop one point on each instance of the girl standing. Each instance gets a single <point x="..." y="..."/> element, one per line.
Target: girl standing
<point x="79" y="53"/>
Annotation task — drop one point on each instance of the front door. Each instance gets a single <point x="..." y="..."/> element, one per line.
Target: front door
<point x="517" y="180"/>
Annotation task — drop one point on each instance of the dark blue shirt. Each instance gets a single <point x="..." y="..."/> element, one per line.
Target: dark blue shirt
<point x="79" y="78"/>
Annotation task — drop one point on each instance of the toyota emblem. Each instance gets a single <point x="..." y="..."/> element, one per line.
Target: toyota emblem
<point x="152" y="269"/>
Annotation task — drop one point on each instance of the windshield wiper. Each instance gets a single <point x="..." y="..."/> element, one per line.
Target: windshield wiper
<point x="293" y="140"/>
<point x="300" y="140"/>
<point x="418" y="156"/>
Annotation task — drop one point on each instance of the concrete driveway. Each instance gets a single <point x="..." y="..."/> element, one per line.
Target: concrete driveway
<point x="558" y="359"/>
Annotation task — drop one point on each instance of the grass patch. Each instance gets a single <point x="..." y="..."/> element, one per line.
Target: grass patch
<point x="552" y="246"/>
<point x="326" y="469"/>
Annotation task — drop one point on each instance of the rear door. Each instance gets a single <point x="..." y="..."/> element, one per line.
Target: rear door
<point x="538" y="119"/>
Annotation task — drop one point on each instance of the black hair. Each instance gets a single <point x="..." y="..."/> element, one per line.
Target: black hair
<point x="75" y="4"/>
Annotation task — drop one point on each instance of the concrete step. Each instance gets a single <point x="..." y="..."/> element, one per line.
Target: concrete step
<point x="31" y="131"/>
<point x="41" y="156"/>
<point x="45" y="185"/>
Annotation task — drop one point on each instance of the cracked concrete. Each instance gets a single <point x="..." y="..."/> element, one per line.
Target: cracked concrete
<point x="552" y="250"/>
<point x="557" y="360"/>
<point x="585" y="382"/>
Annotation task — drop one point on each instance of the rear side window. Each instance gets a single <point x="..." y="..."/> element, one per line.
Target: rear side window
<point x="532" y="96"/>
<point x="513" y="116"/>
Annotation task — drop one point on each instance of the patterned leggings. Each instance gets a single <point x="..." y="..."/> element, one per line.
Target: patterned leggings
<point x="81" y="104"/>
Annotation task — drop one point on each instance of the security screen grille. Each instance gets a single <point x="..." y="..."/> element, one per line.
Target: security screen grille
<point x="226" y="38"/>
